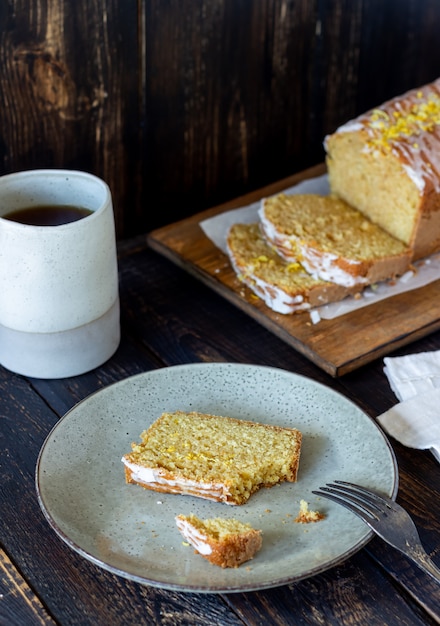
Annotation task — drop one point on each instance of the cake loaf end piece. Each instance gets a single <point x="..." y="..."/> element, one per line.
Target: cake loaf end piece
<point x="386" y="163"/>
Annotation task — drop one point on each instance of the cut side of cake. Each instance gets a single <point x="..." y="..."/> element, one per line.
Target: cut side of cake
<point x="223" y="542"/>
<point x="284" y="287"/>
<point x="332" y="240"/>
<point x="386" y="163"/>
<point x="218" y="458"/>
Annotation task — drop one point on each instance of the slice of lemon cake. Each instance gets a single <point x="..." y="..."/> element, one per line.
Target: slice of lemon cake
<point x="284" y="287"/>
<point x="219" y="458"/>
<point x="223" y="542"/>
<point x="331" y="239"/>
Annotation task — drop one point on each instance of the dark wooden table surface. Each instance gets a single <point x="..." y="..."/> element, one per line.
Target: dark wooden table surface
<point x="170" y="318"/>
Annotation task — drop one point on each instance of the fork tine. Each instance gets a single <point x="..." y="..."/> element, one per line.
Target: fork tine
<point x="360" y="495"/>
<point x="387" y="518"/>
<point x="357" y="506"/>
<point x="371" y="496"/>
<point x="364" y="509"/>
<point x="368" y="500"/>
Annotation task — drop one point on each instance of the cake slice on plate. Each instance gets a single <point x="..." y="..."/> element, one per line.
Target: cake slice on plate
<point x="223" y="542"/>
<point x="219" y="458"/>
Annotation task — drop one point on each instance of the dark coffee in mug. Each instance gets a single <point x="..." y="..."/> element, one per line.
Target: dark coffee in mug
<point x="50" y="215"/>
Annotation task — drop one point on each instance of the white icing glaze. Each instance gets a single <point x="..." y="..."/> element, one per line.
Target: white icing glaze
<point x="277" y="298"/>
<point x="419" y="152"/>
<point x="155" y="477"/>
<point x="324" y="265"/>
<point x="273" y="296"/>
<point x="351" y="126"/>
<point x="415" y="177"/>
<point x="270" y="232"/>
<point x="315" y="316"/>
<point x="318" y="264"/>
<point x="193" y="536"/>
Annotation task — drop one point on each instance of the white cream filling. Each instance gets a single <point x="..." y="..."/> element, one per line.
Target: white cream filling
<point x="194" y="537"/>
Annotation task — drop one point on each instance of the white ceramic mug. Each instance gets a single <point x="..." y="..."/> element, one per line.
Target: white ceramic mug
<point x="59" y="298"/>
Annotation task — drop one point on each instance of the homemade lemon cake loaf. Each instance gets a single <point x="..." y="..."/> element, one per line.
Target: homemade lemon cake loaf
<point x="386" y="163"/>
<point x="284" y="287"/>
<point x="332" y="240"/>
<point x="223" y="542"/>
<point x="219" y="458"/>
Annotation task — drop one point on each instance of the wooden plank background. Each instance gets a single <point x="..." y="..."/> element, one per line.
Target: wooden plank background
<point x="183" y="104"/>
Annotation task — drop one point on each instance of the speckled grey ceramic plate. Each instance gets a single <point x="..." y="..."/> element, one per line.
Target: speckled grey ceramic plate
<point x="131" y="531"/>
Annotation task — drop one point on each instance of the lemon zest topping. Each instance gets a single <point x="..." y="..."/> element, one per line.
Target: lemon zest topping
<point x="423" y="116"/>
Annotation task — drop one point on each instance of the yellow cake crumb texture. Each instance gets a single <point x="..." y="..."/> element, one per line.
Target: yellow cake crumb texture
<point x="225" y="542"/>
<point x="331" y="225"/>
<point x="284" y="285"/>
<point x="217" y="528"/>
<point x="256" y="257"/>
<point x="306" y="516"/>
<point x="239" y="455"/>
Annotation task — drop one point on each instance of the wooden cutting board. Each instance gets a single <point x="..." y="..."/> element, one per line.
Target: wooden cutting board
<point x="337" y="346"/>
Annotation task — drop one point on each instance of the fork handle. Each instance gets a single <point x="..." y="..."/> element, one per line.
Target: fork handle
<point x="421" y="559"/>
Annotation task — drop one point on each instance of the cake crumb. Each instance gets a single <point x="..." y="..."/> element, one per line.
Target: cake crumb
<point x="305" y="516"/>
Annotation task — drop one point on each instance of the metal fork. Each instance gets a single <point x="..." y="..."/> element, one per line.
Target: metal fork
<point x="388" y="520"/>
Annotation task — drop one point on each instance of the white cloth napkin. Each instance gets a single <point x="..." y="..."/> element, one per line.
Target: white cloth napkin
<point x="415" y="421"/>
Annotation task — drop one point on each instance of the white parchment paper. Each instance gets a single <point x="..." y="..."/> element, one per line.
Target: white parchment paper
<point x="425" y="271"/>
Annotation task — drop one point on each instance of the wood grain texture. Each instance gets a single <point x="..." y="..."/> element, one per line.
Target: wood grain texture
<point x="170" y="318"/>
<point x="73" y="588"/>
<point x="321" y="601"/>
<point x="337" y="346"/>
<point x="183" y="105"/>
<point x="23" y="605"/>
<point x="68" y="88"/>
